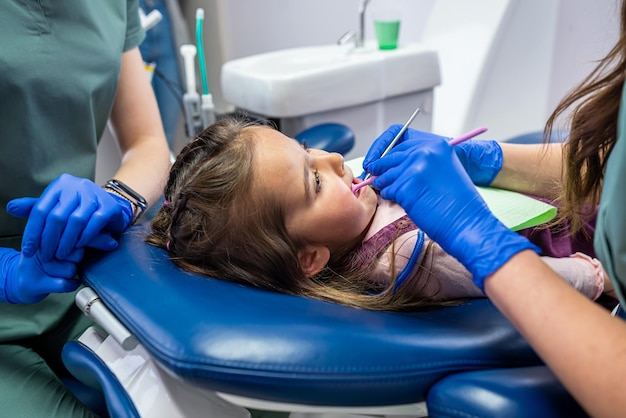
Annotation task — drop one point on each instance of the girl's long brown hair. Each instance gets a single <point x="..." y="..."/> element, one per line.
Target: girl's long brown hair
<point x="593" y="120"/>
<point x="213" y="224"/>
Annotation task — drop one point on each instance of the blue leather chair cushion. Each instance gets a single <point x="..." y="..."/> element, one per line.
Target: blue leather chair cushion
<point x="276" y="347"/>
<point x="512" y="393"/>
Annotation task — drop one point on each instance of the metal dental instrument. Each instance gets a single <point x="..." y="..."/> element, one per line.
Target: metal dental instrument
<point x="469" y="135"/>
<point x="368" y="177"/>
<point x="397" y="137"/>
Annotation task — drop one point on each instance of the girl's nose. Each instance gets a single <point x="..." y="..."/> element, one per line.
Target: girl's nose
<point x="335" y="161"/>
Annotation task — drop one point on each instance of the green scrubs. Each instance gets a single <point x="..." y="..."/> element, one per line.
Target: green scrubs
<point x="610" y="235"/>
<point x="59" y="67"/>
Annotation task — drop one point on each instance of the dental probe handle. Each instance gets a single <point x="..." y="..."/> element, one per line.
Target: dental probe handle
<point x="364" y="183"/>
<point x="469" y="135"/>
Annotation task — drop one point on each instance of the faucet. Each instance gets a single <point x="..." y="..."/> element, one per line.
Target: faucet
<point x="357" y="37"/>
<point x="360" y="39"/>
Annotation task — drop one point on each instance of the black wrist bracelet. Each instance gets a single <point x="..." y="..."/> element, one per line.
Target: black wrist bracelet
<point x="136" y="200"/>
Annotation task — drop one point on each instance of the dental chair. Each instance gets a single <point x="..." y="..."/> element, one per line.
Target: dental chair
<point x="174" y="344"/>
<point x="178" y="344"/>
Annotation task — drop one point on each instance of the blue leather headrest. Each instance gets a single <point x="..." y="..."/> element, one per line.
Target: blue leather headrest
<point x="331" y="137"/>
<point x="259" y="344"/>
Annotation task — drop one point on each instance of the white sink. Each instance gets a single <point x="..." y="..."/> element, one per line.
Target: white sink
<point x="307" y="80"/>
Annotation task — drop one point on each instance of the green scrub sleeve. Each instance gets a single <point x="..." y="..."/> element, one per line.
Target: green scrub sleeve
<point x="134" y="32"/>
<point x="610" y="235"/>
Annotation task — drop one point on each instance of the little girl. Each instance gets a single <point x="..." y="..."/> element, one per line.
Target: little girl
<point x="247" y="204"/>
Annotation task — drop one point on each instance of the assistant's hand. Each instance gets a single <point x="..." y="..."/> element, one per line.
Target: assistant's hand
<point x="71" y="213"/>
<point x="22" y="206"/>
<point x="30" y="279"/>
<point x="482" y="159"/>
<point x="426" y="178"/>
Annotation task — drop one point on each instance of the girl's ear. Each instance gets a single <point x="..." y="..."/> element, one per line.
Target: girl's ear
<point x="313" y="258"/>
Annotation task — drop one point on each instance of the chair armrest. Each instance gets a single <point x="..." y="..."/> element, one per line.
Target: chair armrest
<point x="512" y="393"/>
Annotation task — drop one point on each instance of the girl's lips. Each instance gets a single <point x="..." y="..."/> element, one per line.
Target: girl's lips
<point x="360" y="190"/>
<point x="361" y="184"/>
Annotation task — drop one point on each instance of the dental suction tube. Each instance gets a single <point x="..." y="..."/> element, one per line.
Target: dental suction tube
<point x="188" y="51"/>
<point x="191" y="98"/>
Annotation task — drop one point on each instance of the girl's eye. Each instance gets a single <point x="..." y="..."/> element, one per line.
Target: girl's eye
<point x="318" y="182"/>
<point x="316" y="176"/>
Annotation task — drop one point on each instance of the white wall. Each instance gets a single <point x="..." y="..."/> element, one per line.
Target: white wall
<point x="290" y="23"/>
<point x="585" y="30"/>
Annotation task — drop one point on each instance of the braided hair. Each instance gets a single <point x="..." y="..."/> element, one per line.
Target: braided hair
<point x="213" y="223"/>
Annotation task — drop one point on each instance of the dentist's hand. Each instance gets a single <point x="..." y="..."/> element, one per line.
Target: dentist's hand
<point x="482" y="159"/>
<point x="426" y="178"/>
<point x="380" y="144"/>
<point x="30" y="279"/>
<point x="71" y="213"/>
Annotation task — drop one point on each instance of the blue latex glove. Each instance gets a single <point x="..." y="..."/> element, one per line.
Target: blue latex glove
<point x="21" y="208"/>
<point x="426" y="178"/>
<point x="482" y="159"/>
<point x="380" y="144"/>
<point x="30" y="279"/>
<point x="71" y="213"/>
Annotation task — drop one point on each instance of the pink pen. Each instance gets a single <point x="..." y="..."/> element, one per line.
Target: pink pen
<point x="469" y="135"/>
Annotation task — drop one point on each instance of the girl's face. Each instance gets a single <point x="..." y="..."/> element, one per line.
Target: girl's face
<point x="315" y="189"/>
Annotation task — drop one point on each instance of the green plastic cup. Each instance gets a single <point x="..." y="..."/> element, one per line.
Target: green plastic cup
<point x="387" y="33"/>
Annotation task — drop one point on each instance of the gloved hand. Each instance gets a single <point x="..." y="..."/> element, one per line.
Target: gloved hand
<point x="30" y="279"/>
<point x="71" y="213"/>
<point x="482" y="159"/>
<point x="426" y="178"/>
<point x="22" y="206"/>
<point x="380" y="144"/>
